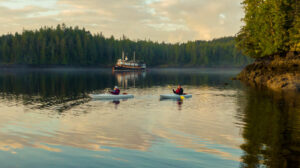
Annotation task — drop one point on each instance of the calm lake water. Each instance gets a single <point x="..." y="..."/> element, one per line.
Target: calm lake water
<point x="48" y="120"/>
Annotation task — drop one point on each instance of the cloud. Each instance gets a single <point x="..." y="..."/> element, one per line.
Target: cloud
<point x="158" y="20"/>
<point x="202" y="16"/>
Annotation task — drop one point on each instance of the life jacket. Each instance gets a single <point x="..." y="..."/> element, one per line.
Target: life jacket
<point x="179" y="91"/>
<point x="115" y="92"/>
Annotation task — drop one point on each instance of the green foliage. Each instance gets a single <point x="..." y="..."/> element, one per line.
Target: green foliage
<point x="74" y="46"/>
<point x="295" y="30"/>
<point x="271" y="27"/>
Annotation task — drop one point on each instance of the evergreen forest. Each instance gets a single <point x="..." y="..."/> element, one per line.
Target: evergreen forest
<point x="74" y="46"/>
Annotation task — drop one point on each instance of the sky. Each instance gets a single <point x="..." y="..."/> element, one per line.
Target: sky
<point x="159" y="20"/>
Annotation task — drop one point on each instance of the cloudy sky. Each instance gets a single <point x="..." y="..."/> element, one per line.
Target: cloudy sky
<point x="158" y="20"/>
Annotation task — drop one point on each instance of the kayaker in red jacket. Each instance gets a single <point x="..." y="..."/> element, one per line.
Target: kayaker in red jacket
<point x="116" y="91"/>
<point x="179" y="90"/>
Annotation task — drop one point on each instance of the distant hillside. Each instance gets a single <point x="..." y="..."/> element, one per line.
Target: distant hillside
<point x="77" y="47"/>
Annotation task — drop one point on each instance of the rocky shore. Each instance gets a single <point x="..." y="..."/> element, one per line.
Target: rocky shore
<point x="274" y="72"/>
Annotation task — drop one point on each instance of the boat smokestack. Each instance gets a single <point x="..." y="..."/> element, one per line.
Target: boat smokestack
<point x="123" y="56"/>
<point x="134" y="56"/>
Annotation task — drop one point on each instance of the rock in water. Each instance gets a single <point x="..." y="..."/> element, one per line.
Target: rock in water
<point x="276" y="73"/>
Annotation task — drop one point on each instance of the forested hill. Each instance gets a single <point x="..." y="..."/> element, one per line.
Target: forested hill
<point x="271" y="35"/>
<point x="77" y="47"/>
<point x="270" y="28"/>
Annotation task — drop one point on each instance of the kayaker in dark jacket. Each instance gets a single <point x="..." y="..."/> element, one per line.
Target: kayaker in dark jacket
<point x="116" y="91"/>
<point x="179" y="90"/>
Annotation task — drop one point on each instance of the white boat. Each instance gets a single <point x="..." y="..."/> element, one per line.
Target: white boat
<point x="111" y="97"/>
<point x="174" y="96"/>
<point x="124" y="64"/>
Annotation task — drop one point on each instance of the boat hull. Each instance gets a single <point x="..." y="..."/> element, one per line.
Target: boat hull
<point x="174" y="96"/>
<point x="110" y="96"/>
<point x="128" y="68"/>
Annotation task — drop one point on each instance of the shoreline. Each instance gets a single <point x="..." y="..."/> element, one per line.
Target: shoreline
<point x="16" y="66"/>
<point x="109" y="68"/>
<point x="279" y="73"/>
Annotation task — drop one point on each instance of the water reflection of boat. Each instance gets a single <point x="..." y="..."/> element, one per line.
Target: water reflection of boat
<point x="126" y="78"/>
<point x="178" y="101"/>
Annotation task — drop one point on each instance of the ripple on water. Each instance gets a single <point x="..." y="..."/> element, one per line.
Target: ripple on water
<point x="204" y="131"/>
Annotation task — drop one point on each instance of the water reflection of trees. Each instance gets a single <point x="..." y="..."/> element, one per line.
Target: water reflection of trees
<point x="272" y="130"/>
<point x="193" y="77"/>
<point x="69" y="88"/>
<point x="65" y="89"/>
<point x="51" y="83"/>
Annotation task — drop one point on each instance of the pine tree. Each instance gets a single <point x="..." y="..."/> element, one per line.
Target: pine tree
<point x="295" y="30"/>
<point x="270" y="27"/>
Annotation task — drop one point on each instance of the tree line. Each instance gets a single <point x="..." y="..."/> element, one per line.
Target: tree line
<point x="74" y="46"/>
<point x="272" y="27"/>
